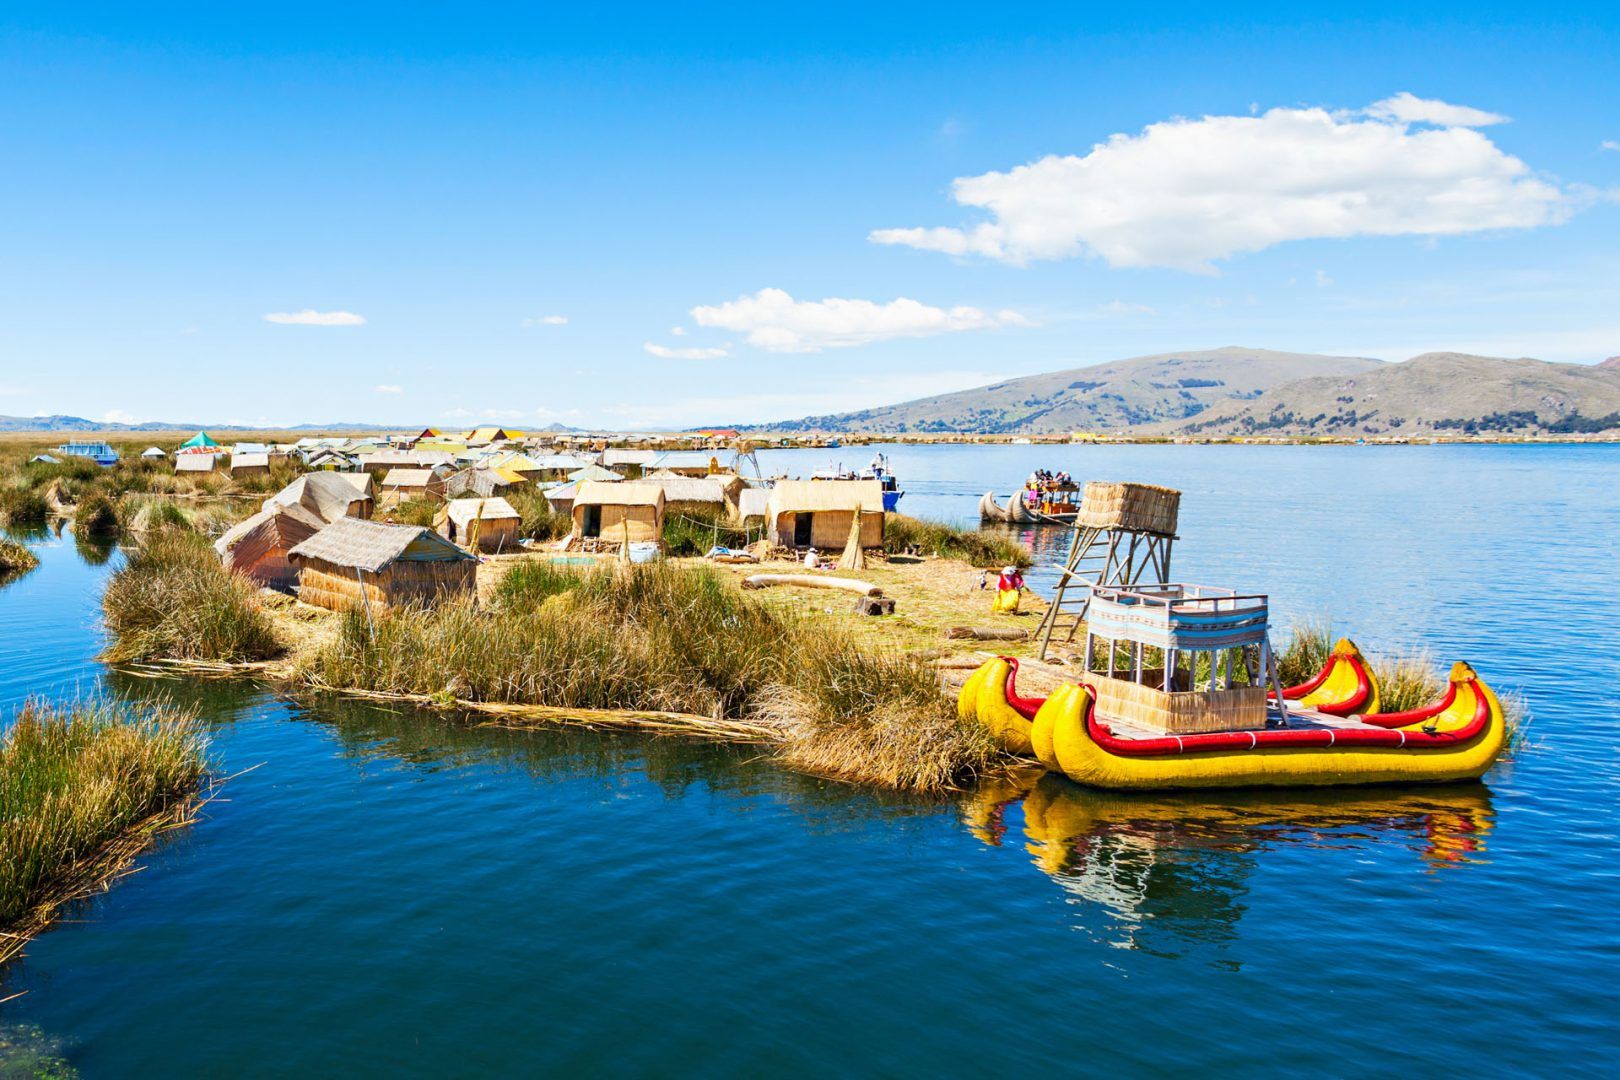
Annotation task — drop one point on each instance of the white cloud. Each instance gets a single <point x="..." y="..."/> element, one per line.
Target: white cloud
<point x="693" y="353"/>
<point x="387" y="388"/>
<point x="1611" y="144"/>
<point x="1121" y="307"/>
<point x="678" y="331"/>
<point x="1407" y="108"/>
<point x="117" y="416"/>
<point x="311" y="317"/>
<point x="1322" y="279"/>
<point x="1186" y="192"/>
<point x="773" y="320"/>
<point x="547" y="320"/>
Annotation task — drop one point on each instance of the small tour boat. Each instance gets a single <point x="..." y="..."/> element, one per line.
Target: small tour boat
<point x="1119" y="733"/>
<point x="1048" y="502"/>
<point x="878" y="470"/>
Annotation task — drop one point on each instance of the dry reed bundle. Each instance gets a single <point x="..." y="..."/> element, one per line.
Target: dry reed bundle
<point x="1137" y="507"/>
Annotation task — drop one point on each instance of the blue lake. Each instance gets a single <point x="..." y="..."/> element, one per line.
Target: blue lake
<point x="388" y="891"/>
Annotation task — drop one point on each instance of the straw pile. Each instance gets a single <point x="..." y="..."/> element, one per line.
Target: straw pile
<point x="1136" y="507"/>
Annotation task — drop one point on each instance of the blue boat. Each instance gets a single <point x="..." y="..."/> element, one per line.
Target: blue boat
<point x="879" y="471"/>
<point x="98" y="452"/>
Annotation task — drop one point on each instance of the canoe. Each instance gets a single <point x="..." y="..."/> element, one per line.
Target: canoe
<point x="1345" y="685"/>
<point x="1456" y="738"/>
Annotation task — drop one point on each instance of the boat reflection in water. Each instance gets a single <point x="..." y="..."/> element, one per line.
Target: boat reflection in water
<point x="1180" y="864"/>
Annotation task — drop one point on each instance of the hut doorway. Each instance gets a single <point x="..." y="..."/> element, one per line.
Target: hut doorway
<point x="592" y="526"/>
<point x="803" y="529"/>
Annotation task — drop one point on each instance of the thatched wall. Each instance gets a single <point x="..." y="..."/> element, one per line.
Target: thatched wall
<point x="829" y="529"/>
<point x="340" y="588"/>
<point x="644" y="522"/>
<point x="494" y="534"/>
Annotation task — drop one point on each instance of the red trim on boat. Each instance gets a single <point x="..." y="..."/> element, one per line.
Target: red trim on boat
<point x="1290" y="738"/>
<point x="1294" y="692"/>
<point x="1023" y="706"/>
<point x="1333" y="708"/>
<point x="1412" y="716"/>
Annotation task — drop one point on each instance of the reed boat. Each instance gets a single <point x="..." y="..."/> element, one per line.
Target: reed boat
<point x="1458" y="737"/>
<point x="1019" y="512"/>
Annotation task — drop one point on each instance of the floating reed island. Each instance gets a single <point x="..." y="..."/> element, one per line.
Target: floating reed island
<point x="539" y="580"/>
<point x="84" y="789"/>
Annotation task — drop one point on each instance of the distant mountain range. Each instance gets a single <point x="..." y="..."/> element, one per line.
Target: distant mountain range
<point x="1239" y="391"/>
<point x="79" y="423"/>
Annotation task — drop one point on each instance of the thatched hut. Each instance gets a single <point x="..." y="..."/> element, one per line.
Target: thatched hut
<point x="194" y="463"/>
<point x="154" y="453"/>
<point x="257" y="547"/>
<point x="820" y="513"/>
<point x="479" y="524"/>
<point x="253" y="464"/>
<point x="355" y="563"/>
<point x="708" y="496"/>
<point x="627" y="510"/>
<point x="561" y="498"/>
<point x="752" y="505"/>
<point x="328" y="496"/>
<point x="401" y="485"/>
<point x="381" y="462"/>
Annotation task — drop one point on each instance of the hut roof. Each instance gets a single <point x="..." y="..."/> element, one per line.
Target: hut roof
<point x="391" y="459"/>
<point x="373" y="545"/>
<point x="752" y="502"/>
<point x="250" y="461"/>
<point x="562" y="493"/>
<point x="559" y="461"/>
<point x="618" y="455"/>
<point x="691" y="459"/>
<point x="624" y="493"/>
<point x="408" y="478"/>
<point x="194" y="463"/>
<point x="594" y="474"/>
<point x="486" y="435"/>
<point x="198" y="441"/>
<point x="691" y="488"/>
<point x="327" y="495"/>
<point x="153" y="452"/>
<point x="360" y="481"/>
<point x="462" y="511"/>
<point x="809" y="496"/>
<point x="293" y="523"/>
<point x="250" y="448"/>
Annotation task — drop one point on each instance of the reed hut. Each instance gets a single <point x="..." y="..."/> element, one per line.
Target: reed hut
<point x="381" y="462"/>
<point x="690" y="462"/>
<point x="479" y="524"/>
<point x="154" y="453"/>
<point x="561" y="498"/>
<point x="329" y="496"/>
<point x="252" y="464"/>
<point x="195" y="463"/>
<point x="627" y="510"/>
<point x="752" y="506"/>
<point x="401" y="485"/>
<point x="353" y="563"/>
<point x="821" y="513"/>
<point x="708" y="496"/>
<point x="257" y="547"/>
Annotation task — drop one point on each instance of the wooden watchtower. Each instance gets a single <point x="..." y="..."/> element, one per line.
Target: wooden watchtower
<point x="1123" y="535"/>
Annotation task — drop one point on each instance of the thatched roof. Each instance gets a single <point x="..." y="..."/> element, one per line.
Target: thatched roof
<point x="811" y="496"/>
<point x="408" y="478"/>
<point x="360" y="481"/>
<point x="327" y="495"/>
<point x="463" y="511"/>
<point x="289" y="524"/>
<point x="752" y="502"/>
<point x="373" y="545"/>
<point x="623" y="493"/>
<point x="692" y="459"/>
<point x="697" y="489"/>
<point x="616" y="455"/>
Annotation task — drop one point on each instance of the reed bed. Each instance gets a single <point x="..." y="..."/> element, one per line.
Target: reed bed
<point x="669" y="640"/>
<point x="15" y="559"/>
<point x="537" y="520"/>
<point x="904" y="535"/>
<point x="84" y="788"/>
<point x="173" y="600"/>
<point x="695" y="532"/>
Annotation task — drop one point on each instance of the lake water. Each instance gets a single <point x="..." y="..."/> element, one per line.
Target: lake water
<point x="388" y="892"/>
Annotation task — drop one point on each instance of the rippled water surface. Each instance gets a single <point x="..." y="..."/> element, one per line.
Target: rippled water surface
<point x="389" y="892"/>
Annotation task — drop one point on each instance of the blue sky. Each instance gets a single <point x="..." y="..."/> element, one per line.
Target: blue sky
<point x="327" y="213"/>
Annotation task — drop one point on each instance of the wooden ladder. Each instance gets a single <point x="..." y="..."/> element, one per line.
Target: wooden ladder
<point x="1108" y="556"/>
